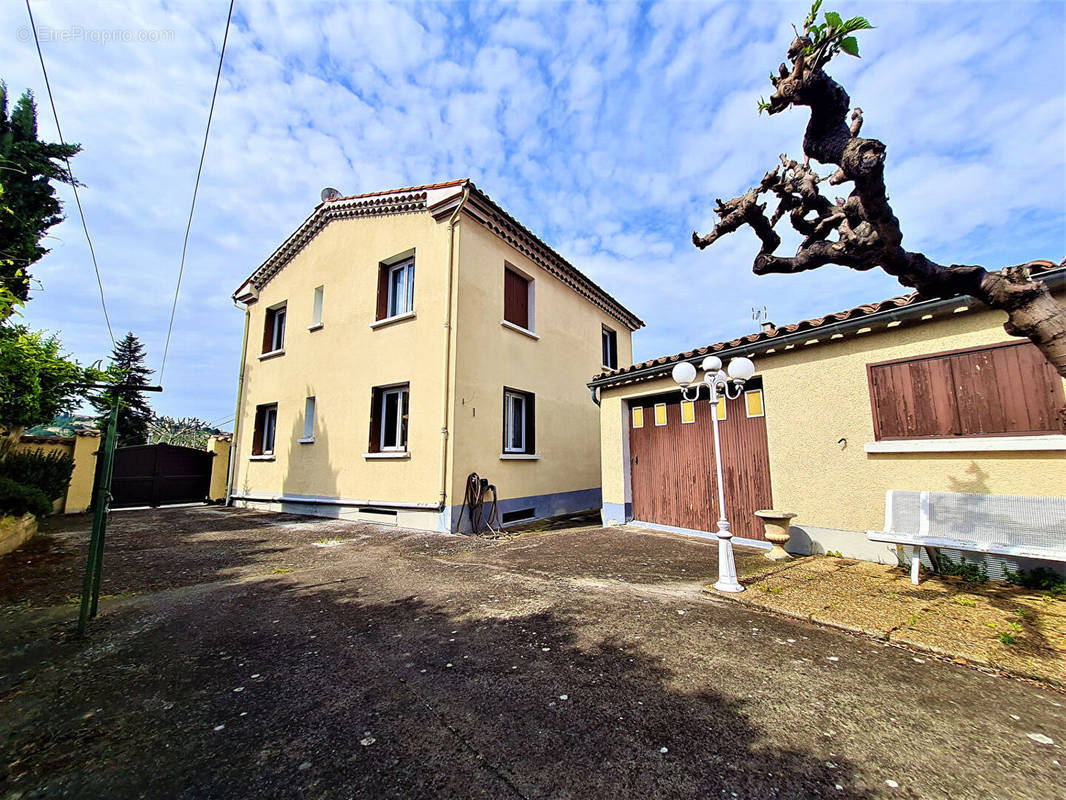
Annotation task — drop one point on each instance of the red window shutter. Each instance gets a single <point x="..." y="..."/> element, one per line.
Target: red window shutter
<point x="515" y="298"/>
<point x="1010" y="390"/>
<point x="383" y="293"/>
<point x="268" y="331"/>
<point x="257" y="436"/>
<point x="375" y="421"/>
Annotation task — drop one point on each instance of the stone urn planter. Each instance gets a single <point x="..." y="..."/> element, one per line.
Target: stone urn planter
<point x="775" y="526"/>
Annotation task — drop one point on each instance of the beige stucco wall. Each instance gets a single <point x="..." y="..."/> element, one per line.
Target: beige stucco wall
<point x="555" y="368"/>
<point x="341" y="362"/>
<point x="818" y="394"/>
<point x="79" y="493"/>
<point x="219" y="467"/>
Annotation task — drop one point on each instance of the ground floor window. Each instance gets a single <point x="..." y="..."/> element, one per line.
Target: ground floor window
<point x="518" y="422"/>
<point x="266" y="423"/>
<point x="388" y="418"/>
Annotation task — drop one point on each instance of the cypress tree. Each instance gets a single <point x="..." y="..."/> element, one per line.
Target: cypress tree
<point x="134" y="413"/>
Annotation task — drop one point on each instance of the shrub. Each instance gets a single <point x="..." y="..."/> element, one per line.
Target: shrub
<point x="1041" y="578"/>
<point x="16" y="499"/>
<point x="967" y="570"/>
<point x="50" y="473"/>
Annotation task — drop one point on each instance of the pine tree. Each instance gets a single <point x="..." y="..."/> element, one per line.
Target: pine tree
<point x="30" y="168"/>
<point x="134" y="413"/>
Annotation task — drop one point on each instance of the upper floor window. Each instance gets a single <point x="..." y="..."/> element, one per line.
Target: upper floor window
<point x="517" y="299"/>
<point x="274" y="329"/>
<point x="396" y="288"/>
<point x="316" y="308"/>
<point x="609" y="346"/>
<point x="388" y="418"/>
<point x="266" y="423"/>
<point x="519" y="422"/>
<point x="980" y="391"/>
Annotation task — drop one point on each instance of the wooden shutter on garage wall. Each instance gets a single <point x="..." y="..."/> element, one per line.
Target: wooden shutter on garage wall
<point x="1004" y="389"/>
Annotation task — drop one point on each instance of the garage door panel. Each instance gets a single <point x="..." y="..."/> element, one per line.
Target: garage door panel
<point x="673" y="467"/>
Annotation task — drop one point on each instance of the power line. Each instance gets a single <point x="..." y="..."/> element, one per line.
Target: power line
<point x="196" y="189"/>
<point x="70" y="173"/>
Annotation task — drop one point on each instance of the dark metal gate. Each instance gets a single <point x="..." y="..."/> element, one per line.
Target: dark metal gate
<point x="160" y="474"/>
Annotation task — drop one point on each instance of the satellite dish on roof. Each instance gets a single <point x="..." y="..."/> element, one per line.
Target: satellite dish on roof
<point x="329" y="193"/>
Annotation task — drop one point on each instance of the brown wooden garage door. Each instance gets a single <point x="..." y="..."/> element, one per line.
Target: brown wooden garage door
<point x="672" y="465"/>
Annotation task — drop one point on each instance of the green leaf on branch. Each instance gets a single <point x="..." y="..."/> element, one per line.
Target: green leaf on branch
<point x="833" y="18"/>
<point x="850" y="46"/>
<point x="763" y="105"/>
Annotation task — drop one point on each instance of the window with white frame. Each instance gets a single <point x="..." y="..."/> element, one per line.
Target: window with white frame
<point x="309" y="420"/>
<point x="609" y="345"/>
<point x="316" y="309"/>
<point x="519" y="421"/>
<point x="266" y="423"/>
<point x="388" y="421"/>
<point x="274" y="329"/>
<point x="401" y="288"/>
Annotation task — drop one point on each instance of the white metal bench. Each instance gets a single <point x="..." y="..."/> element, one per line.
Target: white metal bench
<point x="1002" y="525"/>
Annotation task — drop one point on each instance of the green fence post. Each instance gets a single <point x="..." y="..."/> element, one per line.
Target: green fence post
<point x="94" y="563"/>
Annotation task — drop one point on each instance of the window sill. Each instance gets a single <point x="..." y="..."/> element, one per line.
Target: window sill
<point x="269" y="457"/>
<point x="381" y="323"/>
<point x="397" y="455"/>
<point x="271" y="354"/>
<point x="519" y="457"/>
<point x="316" y="327"/>
<point x="519" y="329"/>
<point x="306" y="440"/>
<point x="976" y="444"/>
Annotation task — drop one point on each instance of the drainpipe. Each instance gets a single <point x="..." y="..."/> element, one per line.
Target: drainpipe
<point x="230" y="474"/>
<point x="446" y="382"/>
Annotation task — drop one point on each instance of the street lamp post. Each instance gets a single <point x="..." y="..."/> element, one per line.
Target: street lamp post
<point x="719" y="383"/>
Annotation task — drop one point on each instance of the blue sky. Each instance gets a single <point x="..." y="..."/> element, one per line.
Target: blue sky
<point x="607" y="128"/>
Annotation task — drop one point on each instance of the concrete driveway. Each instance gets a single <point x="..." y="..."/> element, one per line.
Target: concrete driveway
<point x="241" y="654"/>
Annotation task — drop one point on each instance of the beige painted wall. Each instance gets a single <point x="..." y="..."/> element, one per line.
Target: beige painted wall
<point x="219" y="467"/>
<point x="555" y="368"/>
<point x="818" y="394"/>
<point x="79" y="493"/>
<point x="340" y="363"/>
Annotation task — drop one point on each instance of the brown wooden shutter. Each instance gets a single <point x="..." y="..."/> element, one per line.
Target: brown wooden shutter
<point x="980" y="391"/>
<point x="375" y="421"/>
<point x="268" y="331"/>
<point x="531" y="423"/>
<point x="1009" y="390"/>
<point x="257" y="436"/>
<point x="515" y="298"/>
<point x="383" y="294"/>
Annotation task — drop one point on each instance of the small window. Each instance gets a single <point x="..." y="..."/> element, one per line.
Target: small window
<point x="720" y="410"/>
<point x="753" y="403"/>
<point x="609" y="342"/>
<point x="518" y="422"/>
<point x="638" y="417"/>
<point x="274" y="329"/>
<point x="660" y="414"/>
<point x="266" y="423"/>
<point x="396" y="288"/>
<point x="688" y="412"/>
<point x="316" y="310"/>
<point x="517" y="299"/>
<point x="309" y="420"/>
<point x="388" y="419"/>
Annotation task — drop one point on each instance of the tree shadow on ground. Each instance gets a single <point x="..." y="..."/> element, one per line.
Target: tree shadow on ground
<point x="321" y="692"/>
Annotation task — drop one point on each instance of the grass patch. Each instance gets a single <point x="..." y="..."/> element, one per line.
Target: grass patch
<point x="968" y="602"/>
<point x="75" y="599"/>
<point x="1007" y="638"/>
<point x="327" y="543"/>
<point x="280" y="571"/>
<point x="772" y="589"/>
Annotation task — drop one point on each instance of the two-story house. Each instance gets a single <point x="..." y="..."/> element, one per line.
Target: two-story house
<point x="400" y="340"/>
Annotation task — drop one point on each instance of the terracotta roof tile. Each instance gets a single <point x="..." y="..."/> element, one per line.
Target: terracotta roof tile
<point x="1036" y="268"/>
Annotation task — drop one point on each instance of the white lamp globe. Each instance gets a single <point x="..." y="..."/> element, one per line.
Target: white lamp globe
<point x="683" y="374"/>
<point x="741" y="369"/>
<point x="717" y="379"/>
<point x="711" y="364"/>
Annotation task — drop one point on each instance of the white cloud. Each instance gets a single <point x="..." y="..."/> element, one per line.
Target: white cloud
<point x="608" y="129"/>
